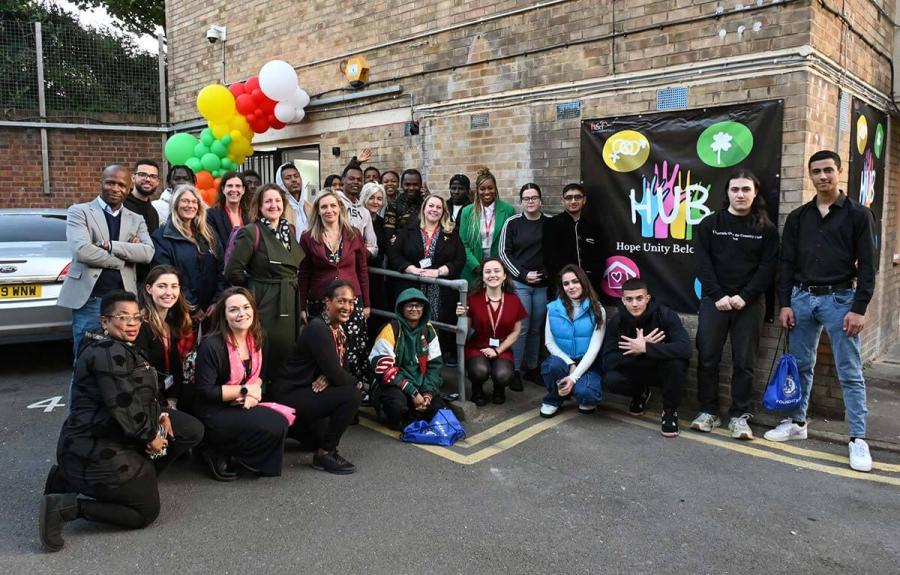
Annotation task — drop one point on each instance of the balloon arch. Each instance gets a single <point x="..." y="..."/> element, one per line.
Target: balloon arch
<point x="234" y="115"/>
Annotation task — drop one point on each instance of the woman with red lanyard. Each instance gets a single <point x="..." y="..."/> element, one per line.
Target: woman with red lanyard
<point x="480" y="223"/>
<point x="495" y="314"/>
<point x="315" y="382"/>
<point x="334" y="250"/>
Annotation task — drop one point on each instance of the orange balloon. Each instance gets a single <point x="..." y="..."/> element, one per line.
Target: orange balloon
<point x="204" y="180"/>
<point x="209" y="196"/>
<point x="216" y="183"/>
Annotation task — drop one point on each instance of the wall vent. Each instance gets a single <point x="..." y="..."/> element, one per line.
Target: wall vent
<point x="478" y="121"/>
<point x="568" y="110"/>
<point x="672" y="98"/>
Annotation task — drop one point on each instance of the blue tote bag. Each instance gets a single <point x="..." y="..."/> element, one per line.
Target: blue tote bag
<point x="783" y="392"/>
<point x="443" y="429"/>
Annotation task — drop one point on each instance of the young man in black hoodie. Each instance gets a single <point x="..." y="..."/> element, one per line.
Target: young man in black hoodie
<point x="569" y="238"/>
<point x="646" y="342"/>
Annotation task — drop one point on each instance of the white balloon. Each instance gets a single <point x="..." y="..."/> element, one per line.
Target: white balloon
<point x="278" y="80"/>
<point x="301" y="98"/>
<point x="284" y="112"/>
<point x="299" y="114"/>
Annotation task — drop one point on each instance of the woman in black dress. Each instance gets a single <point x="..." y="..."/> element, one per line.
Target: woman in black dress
<point x="117" y="438"/>
<point x="229" y="375"/>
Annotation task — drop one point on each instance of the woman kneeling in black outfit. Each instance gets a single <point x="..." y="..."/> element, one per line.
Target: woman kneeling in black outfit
<point x="314" y="381"/>
<point x="229" y="376"/>
<point x="117" y="438"/>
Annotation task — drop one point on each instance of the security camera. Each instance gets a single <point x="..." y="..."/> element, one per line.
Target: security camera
<point x="215" y="33"/>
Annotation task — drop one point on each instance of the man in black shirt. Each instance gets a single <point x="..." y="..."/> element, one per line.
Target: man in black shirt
<point x="826" y="244"/>
<point x="570" y="239"/>
<point x="737" y="251"/>
<point x="145" y="182"/>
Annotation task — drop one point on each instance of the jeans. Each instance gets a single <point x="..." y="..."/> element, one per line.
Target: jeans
<point x="811" y="314"/>
<point x="588" y="389"/>
<point x="526" y="348"/>
<point x="84" y="319"/>
<point x="713" y="327"/>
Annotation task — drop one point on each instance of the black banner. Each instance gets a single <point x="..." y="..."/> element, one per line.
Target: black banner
<point x="651" y="178"/>
<point x="868" y="144"/>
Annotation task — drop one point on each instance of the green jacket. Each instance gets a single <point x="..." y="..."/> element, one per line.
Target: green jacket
<point x="470" y="232"/>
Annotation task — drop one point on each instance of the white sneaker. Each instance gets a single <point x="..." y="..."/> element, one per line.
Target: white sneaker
<point x="548" y="410"/>
<point x="787" y="430"/>
<point x="740" y="429"/>
<point x="586" y="408"/>
<point x="705" y="422"/>
<point x="860" y="459"/>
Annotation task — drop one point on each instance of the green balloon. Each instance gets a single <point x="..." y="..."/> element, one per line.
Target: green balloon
<point x="228" y="164"/>
<point x="219" y="173"/>
<point x="194" y="164"/>
<point x="207" y="137"/>
<point x="210" y="161"/>
<point x="200" y="150"/>
<point x="226" y="139"/>
<point x="218" y="148"/>
<point x="179" y="148"/>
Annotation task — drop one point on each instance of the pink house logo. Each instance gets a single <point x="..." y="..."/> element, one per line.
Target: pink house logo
<point x="619" y="269"/>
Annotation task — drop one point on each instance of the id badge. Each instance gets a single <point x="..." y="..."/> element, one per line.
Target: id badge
<point x="425" y="263"/>
<point x="168" y="382"/>
<point x="493" y="342"/>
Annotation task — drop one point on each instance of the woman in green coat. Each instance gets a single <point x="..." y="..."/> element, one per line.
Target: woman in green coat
<point x="481" y="223"/>
<point x="265" y="259"/>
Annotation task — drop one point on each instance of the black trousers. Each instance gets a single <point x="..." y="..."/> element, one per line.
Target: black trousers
<point x="323" y="417"/>
<point x="398" y="407"/>
<point x="132" y="505"/>
<point x="255" y="437"/>
<point x="632" y="378"/>
<point x="713" y="327"/>
<point x="188" y="433"/>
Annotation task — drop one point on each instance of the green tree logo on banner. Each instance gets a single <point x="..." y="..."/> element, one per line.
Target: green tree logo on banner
<point x="724" y="144"/>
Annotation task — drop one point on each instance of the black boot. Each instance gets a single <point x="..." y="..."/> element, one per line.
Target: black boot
<point x="533" y="375"/>
<point x="56" y="509"/>
<point x="56" y="482"/>
<point x="478" y="397"/>
<point x="220" y="466"/>
<point x="516" y="383"/>
<point x="499" y="395"/>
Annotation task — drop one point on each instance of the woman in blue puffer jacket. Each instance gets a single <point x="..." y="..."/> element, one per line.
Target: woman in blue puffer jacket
<point x="574" y="332"/>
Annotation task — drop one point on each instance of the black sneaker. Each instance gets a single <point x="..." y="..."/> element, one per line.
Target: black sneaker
<point x="220" y="467"/>
<point x="333" y="463"/>
<point x="670" y="423"/>
<point x="516" y="383"/>
<point x="639" y="403"/>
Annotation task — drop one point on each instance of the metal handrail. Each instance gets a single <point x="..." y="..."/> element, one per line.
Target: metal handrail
<point x="461" y="329"/>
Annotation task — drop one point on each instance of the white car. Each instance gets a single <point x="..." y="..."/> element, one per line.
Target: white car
<point x="34" y="260"/>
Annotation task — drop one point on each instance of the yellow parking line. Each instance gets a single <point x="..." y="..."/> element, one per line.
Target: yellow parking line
<point x="481" y="454"/>
<point x="496" y="430"/>
<point x="755" y="452"/>
<point x="825" y="456"/>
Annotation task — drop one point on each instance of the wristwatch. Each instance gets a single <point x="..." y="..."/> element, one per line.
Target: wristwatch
<point x="244" y="391"/>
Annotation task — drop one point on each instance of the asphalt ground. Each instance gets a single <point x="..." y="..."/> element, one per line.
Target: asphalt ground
<point x="576" y="493"/>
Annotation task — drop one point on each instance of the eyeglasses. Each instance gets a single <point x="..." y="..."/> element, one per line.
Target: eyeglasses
<point x="530" y="199"/>
<point x="573" y="197"/>
<point x="185" y="202"/>
<point x="147" y="176"/>
<point x="414" y="305"/>
<point x="126" y="319"/>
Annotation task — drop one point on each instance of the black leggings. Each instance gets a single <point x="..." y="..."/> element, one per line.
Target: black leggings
<point x="480" y="368"/>
<point x="133" y="505"/>
<point x="323" y="417"/>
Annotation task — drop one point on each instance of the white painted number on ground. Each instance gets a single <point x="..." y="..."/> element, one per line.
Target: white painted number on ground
<point x="48" y="404"/>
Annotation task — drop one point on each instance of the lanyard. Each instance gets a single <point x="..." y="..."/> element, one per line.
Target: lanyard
<point x="488" y="224"/>
<point x="494" y="323"/>
<point x="426" y="241"/>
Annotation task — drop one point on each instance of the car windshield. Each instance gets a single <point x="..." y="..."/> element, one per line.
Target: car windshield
<point x="32" y="228"/>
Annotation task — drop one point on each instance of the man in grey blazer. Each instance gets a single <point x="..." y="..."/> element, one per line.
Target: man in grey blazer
<point x="107" y="241"/>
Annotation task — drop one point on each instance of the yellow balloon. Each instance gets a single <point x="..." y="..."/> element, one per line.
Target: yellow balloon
<point x="238" y="122"/>
<point x="219" y="130"/>
<point x="216" y="103"/>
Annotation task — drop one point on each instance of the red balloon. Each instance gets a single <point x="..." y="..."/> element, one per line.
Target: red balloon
<point x="259" y="125"/>
<point x="245" y="104"/>
<point x="251" y="84"/>
<point x="277" y="125"/>
<point x="204" y="180"/>
<point x="271" y="119"/>
<point x="268" y="106"/>
<point x="258" y="96"/>
<point x="237" y="89"/>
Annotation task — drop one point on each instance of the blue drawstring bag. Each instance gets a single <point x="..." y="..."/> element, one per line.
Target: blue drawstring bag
<point x="443" y="429"/>
<point x="783" y="392"/>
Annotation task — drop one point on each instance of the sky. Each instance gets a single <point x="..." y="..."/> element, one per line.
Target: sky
<point x="99" y="18"/>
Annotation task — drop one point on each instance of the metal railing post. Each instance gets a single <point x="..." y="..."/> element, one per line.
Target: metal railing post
<point x="461" y="329"/>
<point x="42" y="106"/>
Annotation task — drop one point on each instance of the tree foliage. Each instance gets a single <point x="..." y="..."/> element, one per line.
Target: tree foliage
<point x="140" y="16"/>
<point x="85" y="70"/>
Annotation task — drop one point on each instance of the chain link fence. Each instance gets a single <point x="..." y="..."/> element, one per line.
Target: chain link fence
<point x="88" y="75"/>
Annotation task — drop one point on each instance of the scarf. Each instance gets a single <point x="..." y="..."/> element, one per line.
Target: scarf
<point x="239" y="376"/>
<point x="282" y="231"/>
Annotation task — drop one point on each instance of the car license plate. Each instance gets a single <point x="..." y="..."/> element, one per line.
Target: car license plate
<point x="23" y="291"/>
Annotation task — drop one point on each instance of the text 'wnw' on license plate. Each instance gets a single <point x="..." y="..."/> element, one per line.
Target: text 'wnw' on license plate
<point x="20" y="291"/>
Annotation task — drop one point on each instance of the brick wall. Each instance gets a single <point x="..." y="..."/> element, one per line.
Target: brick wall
<point x="77" y="157"/>
<point x="612" y="56"/>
